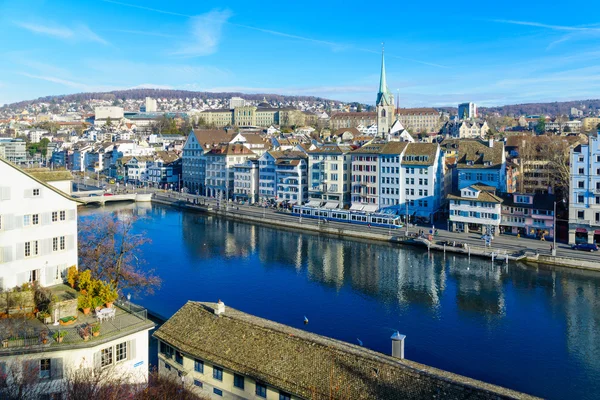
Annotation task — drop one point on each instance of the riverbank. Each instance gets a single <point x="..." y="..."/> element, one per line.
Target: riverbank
<point x="289" y="222"/>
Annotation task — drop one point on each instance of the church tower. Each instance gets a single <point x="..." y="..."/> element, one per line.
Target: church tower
<point x="385" y="104"/>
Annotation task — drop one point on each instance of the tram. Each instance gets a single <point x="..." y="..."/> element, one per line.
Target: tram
<point x="348" y="216"/>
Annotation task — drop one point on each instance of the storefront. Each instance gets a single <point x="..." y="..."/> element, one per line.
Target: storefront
<point x="581" y="235"/>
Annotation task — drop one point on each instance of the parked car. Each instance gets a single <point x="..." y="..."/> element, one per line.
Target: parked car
<point x="108" y="194"/>
<point x="585" y="247"/>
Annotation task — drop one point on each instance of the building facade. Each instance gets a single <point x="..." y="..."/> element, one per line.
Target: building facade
<point x="419" y="120"/>
<point x="528" y="215"/>
<point x="481" y="162"/>
<point x="475" y="208"/>
<point x="329" y="175"/>
<point x="467" y="111"/>
<point x="38" y="230"/>
<point x="584" y="196"/>
<point x="245" y="181"/>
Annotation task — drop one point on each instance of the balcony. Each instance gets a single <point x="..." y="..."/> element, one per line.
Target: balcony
<point x="21" y="335"/>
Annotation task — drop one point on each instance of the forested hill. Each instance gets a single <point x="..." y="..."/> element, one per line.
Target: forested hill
<point x="552" y="109"/>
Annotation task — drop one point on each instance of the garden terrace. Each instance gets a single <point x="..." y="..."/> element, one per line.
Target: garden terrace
<point x="24" y="334"/>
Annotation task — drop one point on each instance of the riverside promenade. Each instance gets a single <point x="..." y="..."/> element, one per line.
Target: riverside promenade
<point x="503" y="247"/>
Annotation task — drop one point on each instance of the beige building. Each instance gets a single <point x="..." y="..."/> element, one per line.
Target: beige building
<point x="352" y="120"/>
<point x="329" y="175"/>
<point x="590" y="124"/>
<point x="262" y="115"/>
<point x="419" y="119"/>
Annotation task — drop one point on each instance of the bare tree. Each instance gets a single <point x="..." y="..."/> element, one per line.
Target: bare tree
<point x="111" y="250"/>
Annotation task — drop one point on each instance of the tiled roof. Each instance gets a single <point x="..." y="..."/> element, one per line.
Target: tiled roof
<point x="304" y="363"/>
<point x="484" y="196"/>
<point x="420" y="149"/>
<point x="479" y="154"/>
<point x="332" y="149"/>
<point x="339" y="132"/>
<point x="354" y="115"/>
<point x="540" y="201"/>
<point x="210" y="137"/>
<point x="417" y="111"/>
<point x="231" y="149"/>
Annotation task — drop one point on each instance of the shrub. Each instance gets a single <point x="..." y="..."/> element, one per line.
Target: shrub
<point x="84" y="301"/>
<point x="72" y="275"/>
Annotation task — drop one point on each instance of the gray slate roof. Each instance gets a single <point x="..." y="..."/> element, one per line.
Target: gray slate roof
<point x="309" y="365"/>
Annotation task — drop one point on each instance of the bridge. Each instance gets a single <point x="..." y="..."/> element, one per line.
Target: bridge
<point x="116" y="197"/>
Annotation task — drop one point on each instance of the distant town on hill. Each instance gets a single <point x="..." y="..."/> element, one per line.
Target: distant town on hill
<point x="194" y="99"/>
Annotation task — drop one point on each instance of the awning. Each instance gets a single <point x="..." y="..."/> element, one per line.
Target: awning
<point x="313" y="203"/>
<point x="581" y="230"/>
<point x="356" y="207"/>
<point x="370" y="208"/>
<point x="331" y="204"/>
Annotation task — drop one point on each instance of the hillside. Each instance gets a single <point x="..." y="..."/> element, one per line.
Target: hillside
<point x="554" y="108"/>
<point x="140" y="94"/>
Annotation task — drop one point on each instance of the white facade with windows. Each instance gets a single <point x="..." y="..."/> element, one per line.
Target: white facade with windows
<point x="475" y="209"/>
<point x="329" y="175"/>
<point x="245" y="181"/>
<point x="584" y="196"/>
<point x="267" y="180"/>
<point x="127" y="355"/>
<point x="38" y="230"/>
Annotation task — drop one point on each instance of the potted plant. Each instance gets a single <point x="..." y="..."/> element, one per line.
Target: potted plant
<point x="45" y="317"/>
<point x="84" y="331"/>
<point x="97" y="303"/>
<point x="108" y="294"/>
<point x="59" y="335"/>
<point x="44" y="337"/>
<point x="85" y="303"/>
<point x="95" y="330"/>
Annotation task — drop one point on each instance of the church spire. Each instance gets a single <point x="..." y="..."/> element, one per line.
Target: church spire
<point x="382" y="81"/>
<point x="383" y="95"/>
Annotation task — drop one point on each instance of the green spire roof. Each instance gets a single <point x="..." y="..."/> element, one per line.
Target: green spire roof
<point x="383" y="97"/>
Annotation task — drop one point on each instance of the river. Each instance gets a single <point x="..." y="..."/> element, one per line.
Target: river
<point x="535" y="330"/>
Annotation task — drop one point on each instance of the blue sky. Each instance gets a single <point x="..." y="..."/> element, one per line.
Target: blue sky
<point x="437" y="53"/>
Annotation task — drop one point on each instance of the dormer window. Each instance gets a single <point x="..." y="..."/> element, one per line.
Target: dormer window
<point x="469" y="162"/>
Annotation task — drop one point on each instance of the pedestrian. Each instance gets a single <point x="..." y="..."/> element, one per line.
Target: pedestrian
<point x="369" y="225"/>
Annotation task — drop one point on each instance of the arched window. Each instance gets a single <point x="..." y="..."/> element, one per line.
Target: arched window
<point x="383" y="113"/>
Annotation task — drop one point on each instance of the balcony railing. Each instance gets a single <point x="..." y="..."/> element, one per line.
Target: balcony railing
<point x="18" y="335"/>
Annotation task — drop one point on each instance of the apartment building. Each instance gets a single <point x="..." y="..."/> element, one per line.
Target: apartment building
<point x="267" y="176"/>
<point x="329" y="175"/>
<point x="584" y="196"/>
<point x="482" y="163"/>
<point x="220" y="163"/>
<point x="392" y="194"/>
<point x="467" y="110"/>
<point x="14" y="150"/>
<point x="291" y="170"/>
<point x="422" y="120"/>
<point x="423" y="178"/>
<point x="165" y="170"/>
<point x="528" y="215"/>
<point x="245" y="181"/>
<point x="475" y="208"/>
<point x="365" y="177"/>
<point x="198" y="142"/>
<point x="352" y="120"/>
<point x="223" y="353"/>
<point x="38" y="230"/>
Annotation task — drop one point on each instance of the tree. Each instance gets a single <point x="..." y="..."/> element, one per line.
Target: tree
<point x="43" y="146"/>
<point x="111" y="250"/>
<point x="540" y="128"/>
<point x="108" y="122"/>
<point x="359" y="108"/>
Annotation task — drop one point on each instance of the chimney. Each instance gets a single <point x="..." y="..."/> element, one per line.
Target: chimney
<point x="220" y="308"/>
<point x="398" y="345"/>
<point x="491" y="143"/>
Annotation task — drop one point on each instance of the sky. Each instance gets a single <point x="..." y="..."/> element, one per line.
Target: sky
<point x="438" y="53"/>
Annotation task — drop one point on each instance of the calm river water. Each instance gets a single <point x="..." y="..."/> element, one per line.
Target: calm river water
<point x="533" y="330"/>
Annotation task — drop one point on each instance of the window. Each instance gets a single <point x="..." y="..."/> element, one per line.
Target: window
<point x="580" y="214"/>
<point x="261" y="390"/>
<point x="54" y="216"/>
<point x="238" y="381"/>
<point x="121" y="350"/>
<point x="26" y="220"/>
<point x="55" y="244"/>
<point x="580" y="184"/>
<point x="580" y="199"/>
<point x="581" y="171"/>
<point x="199" y="366"/>
<point x="178" y="358"/>
<point x="45" y="368"/>
<point x="36" y="192"/>
<point x="106" y="357"/>
<point x="63" y="215"/>
<point x="197" y="383"/>
<point x="31" y="248"/>
<point x="285" y="396"/>
<point x="218" y="373"/>
<point x="218" y="392"/>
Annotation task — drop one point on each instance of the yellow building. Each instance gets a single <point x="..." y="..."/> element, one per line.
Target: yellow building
<point x="262" y="115"/>
<point x="590" y="124"/>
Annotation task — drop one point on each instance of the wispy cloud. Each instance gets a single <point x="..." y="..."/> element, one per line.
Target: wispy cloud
<point x="548" y="26"/>
<point x="190" y="48"/>
<point x="53" y="79"/>
<point x="59" y="32"/>
<point x="78" y="33"/>
<point x="205" y="34"/>
<point x="151" y="86"/>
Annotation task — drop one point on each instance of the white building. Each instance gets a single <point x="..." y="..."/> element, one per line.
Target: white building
<point x="267" y="177"/>
<point x="103" y="113"/>
<point x="467" y="111"/>
<point x="291" y="170"/>
<point x="584" y="196"/>
<point x="245" y="181"/>
<point x="38" y="230"/>
<point x="329" y="175"/>
<point x="475" y="208"/>
<point x="151" y="105"/>
<point x="236" y="102"/>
